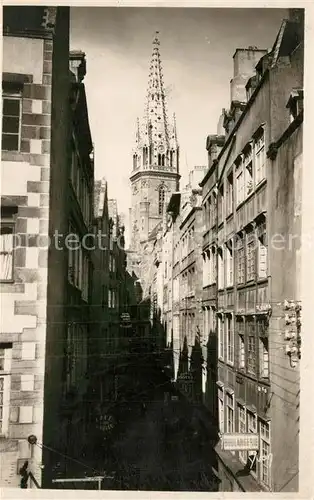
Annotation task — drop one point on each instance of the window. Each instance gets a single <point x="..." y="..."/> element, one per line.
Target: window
<point x="239" y="183"/>
<point x="220" y="338"/>
<point x="248" y="171"/>
<point x="220" y="204"/>
<point x="11" y="122"/>
<point x="265" y="453"/>
<point x="251" y="348"/>
<point x="213" y="266"/>
<point x="250" y="261"/>
<point x="262" y="256"/>
<point x="134" y="161"/>
<point x="85" y="278"/>
<point x="252" y="427"/>
<point x="260" y="157"/>
<point x="229" y="263"/>
<point x="230" y="412"/>
<point x="240" y="261"/>
<point x="242" y="429"/>
<point x="229" y="195"/>
<point x="240" y="333"/>
<point x="264" y="357"/>
<point x="161" y="200"/>
<point x="110" y="298"/>
<point x="214" y="209"/>
<point x="221" y="410"/>
<point x="230" y="339"/>
<point x="6" y="251"/>
<point x="220" y="269"/>
<point x="5" y="374"/>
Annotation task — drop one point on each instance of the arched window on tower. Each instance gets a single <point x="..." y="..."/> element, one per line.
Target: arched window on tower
<point x="134" y="161"/>
<point x="159" y="159"/>
<point x="150" y="153"/>
<point x="171" y="158"/>
<point x="161" y="200"/>
<point x="145" y="155"/>
<point x="163" y="160"/>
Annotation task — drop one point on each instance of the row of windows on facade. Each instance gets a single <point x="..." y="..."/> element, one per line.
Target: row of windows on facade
<point x="249" y="171"/>
<point x="113" y="298"/>
<point x="250" y="260"/>
<point x="79" y="267"/>
<point x="237" y="418"/>
<point x="75" y="359"/>
<point x="149" y="157"/>
<point x="244" y="343"/>
<point x="185" y="246"/>
<point x="187" y="283"/>
<point x="80" y="185"/>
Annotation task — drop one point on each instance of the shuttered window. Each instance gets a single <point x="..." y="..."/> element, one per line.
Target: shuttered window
<point x="262" y="256"/>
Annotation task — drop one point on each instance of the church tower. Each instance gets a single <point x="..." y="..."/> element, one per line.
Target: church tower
<point x="155" y="173"/>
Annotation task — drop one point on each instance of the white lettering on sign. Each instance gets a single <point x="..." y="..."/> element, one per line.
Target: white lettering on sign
<point x="240" y="442"/>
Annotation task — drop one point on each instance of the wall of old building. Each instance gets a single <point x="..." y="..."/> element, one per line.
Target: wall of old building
<point x="56" y="264"/>
<point x="285" y="264"/>
<point x="25" y="179"/>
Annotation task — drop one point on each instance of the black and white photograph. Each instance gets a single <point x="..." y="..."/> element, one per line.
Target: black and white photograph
<point x="152" y="249"/>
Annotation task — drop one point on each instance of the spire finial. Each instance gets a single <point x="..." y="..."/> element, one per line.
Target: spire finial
<point x="156" y="39"/>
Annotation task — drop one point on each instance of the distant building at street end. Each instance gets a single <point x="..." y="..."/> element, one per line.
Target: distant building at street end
<point x="155" y="173"/>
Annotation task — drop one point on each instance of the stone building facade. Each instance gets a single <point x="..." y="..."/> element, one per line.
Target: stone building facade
<point x="255" y="184"/>
<point x="46" y="213"/>
<point x="34" y="160"/>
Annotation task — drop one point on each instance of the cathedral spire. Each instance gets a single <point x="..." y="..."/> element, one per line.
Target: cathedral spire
<point x="156" y="139"/>
<point x="156" y="100"/>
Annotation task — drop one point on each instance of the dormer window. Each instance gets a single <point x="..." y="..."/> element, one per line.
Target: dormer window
<point x="295" y="103"/>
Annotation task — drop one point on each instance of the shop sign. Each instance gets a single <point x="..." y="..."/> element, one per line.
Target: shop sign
<point x="240" y="442"/>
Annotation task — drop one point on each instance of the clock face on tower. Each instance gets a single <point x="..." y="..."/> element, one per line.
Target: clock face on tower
<point x="161" y="148"/>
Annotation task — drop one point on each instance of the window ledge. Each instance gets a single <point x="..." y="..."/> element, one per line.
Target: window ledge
<point x="12" y="156"/>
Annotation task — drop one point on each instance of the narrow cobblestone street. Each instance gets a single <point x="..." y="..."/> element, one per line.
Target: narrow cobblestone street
<point x="162" y="449"/>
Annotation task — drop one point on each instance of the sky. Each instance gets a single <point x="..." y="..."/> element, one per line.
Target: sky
<point x="196" y="47"/>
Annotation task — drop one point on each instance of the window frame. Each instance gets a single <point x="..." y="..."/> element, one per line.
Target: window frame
<point x="251" y="355"/>
<point x="229" y="322"/>
<point x="242" y="429"/>
<point x="221" y="410"/>
<point x="259" y="150"/>
<point x="9" y="223"/>
<point x="250" y="263"/>
<point x="267" y="440"/>
<point x="240" y="185"/>
<point x="230" y="412"/>
<point x="17" y="95"/>
<point x="5" y="375"/>
<point x="221" y="343"/>
<point x="240" y="261"/>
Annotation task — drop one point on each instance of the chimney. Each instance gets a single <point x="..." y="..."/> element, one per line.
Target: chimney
<point x="244" y="62"/>
<point x="78" y="65"/>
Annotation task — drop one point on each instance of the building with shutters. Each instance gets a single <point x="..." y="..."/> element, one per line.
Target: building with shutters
<point x="251" y="204"/>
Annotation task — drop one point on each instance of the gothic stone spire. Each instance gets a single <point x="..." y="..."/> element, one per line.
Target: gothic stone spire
<point x="157" y="148"/>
